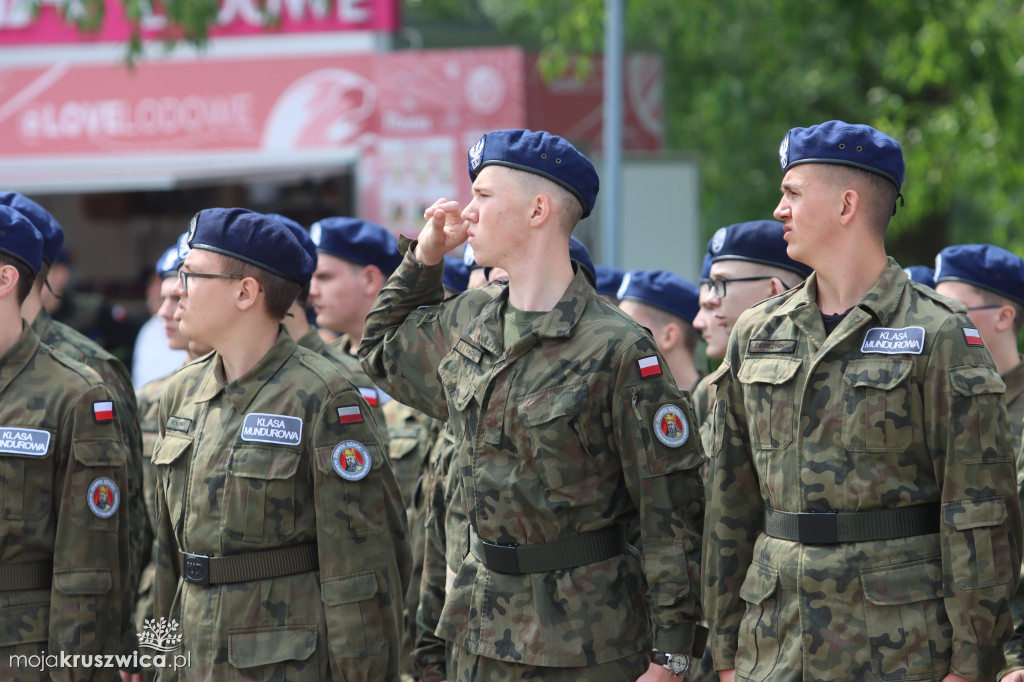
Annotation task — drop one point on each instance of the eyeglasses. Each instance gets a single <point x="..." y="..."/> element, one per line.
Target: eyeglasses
<point x="184" y="276"/>
<point x="718" y="283"/>
<point x="984" y="307"/>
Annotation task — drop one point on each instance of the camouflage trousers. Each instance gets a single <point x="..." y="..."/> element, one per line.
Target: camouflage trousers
<point x="473" y="668"/>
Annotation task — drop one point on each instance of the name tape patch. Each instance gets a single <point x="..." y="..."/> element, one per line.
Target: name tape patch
<point x="278" y="429"/>
<point x="469" y="351"/>
<point x="18" y="441"/>
<point x="894" y="341"/>
<point x="178" y="424"/>
<point x="771" y="346"/>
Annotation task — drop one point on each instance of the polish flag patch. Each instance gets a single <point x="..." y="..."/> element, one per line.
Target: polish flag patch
<point x="350" y="415"/>
<point x="103" y="411"/>
<point x="973" y="337"/>
<point x="370" y="396"/>
<point x="649" y="366"/>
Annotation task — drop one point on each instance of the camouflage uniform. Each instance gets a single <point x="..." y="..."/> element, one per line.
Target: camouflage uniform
<point x="413" y="435"/>
<point x="556" y="439"/>
<point x="1014" y="380"/>
<point x="350" y="368"/>
<point x="225" y="490"/>
<point x="703" y="405"/>
<point x="60" y="508"/>
<point x="809" y="423"/>
<point x="119" y="382"/>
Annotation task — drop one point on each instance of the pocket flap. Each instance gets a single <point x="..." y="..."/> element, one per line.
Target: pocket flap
<point x="264" y="463"/>
<point x="170" y="449"/>
<point x="981" y="513"/>
<point x="267" y="646"/>
<point x="885" y="374"/>
<point x="403" y="441"/>
<point x="976" y="380"/>
<point x="774" y="371"/>
<point x="759" y="584"/>
<point x="77" y="582"/>
<point x="550" y="403"/>
<point x="903" y="584"/>
<point x="349" y="589"/>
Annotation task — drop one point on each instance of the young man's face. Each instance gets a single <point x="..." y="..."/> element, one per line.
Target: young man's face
<point x="338" y="295"/>
<point x="498" y="215"/>
<point x="984" y="320"/>
<point x="806" y="210"/>
<point x="168" y="305"/>
<point x="205" y="310"/>
<point x="738" y="295"/>
<point x="716" y="336"/>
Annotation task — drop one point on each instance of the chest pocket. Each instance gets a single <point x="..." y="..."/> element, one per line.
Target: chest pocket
<point x="26" y="483"/>
<point x="877" y="406"/>
<point x="460" y="377"/>
<point x="769" y="396"/>
<point x="259" y="493"/>
<point x="172" y="467"/>
<point x="556" y="445"/>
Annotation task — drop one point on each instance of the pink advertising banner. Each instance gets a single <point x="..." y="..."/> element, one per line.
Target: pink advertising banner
<point x="19" y="25"/>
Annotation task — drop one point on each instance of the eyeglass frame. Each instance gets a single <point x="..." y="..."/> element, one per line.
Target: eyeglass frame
<point x="183" y="276"/>
<point x="985" y="307"/>
<point x="716" y="283"/>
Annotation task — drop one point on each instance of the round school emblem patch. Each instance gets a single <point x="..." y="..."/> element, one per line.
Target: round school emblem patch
<point x="351" y="460"/>
<point x="670" y="426"/>
<point x="104" y="497"/>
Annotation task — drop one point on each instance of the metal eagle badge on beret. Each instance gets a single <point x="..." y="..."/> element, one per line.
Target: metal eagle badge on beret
<point x="476" y="154"/>
<point x="351" y="459"/>
<point x="670" y="426"/>
<point x="192" y="229"/>
<point x="718" y="239"/>
<point x="316" y="232"/>
<point x="104" y="497"/>
<point x="784" y="151"/>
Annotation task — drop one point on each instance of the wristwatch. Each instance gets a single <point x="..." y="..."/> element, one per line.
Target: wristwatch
<point x="676" y="664"/>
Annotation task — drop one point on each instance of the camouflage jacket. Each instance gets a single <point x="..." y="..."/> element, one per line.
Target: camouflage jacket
<point x="286" y="455"/>
<point x="576" y="426"/>
<point x="897" y="407"/>
<point x="63" y="476"/>
<point x="703" y="402"/>
<point x="1014" y="380"/>
<point x="118" y="381"/>
<point x="349" y="366"/>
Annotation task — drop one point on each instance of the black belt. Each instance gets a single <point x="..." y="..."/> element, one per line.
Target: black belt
<point x="33" y="575"/>
<point x="579" y="550"/>
<point x="832" y="528"/>
<point x="241" y="568"/>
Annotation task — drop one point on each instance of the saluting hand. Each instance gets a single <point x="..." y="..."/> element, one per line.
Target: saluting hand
<point x="445" y="230"/>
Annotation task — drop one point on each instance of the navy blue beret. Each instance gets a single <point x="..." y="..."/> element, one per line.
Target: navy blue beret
<point x="608" y="280"/>
<point x="456" y="275"/>
<point x="661" y="289"/>
<point x="254" y="238"/>
<point x="983" y="265"/>
<point x="357" y="241"/>
<point x="542" y="153"/>
<point x="579" y="253"/>
<point x="845" y="144"/>
<point x="301" y="233"/>
<point x="49" y="228"/>
<point x="20" y="238"/>
<point x="758" y="241"/>
<point x="705" y="267"/>
<point x="922" y="274"/>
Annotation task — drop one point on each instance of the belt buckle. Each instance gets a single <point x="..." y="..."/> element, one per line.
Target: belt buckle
<point x="197" y="568"/>
<point x="818" y="528"/>
<point x="501" y="558"/>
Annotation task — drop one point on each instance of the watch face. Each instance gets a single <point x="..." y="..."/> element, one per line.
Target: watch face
<point x="678" y="664"/>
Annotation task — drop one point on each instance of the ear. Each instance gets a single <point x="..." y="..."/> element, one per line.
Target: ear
<point x="1005" y="318"/>
<point x="777" y="286"/>
<point x="540" y="209"/>
<point x="8" y="280"/>
<point x="849" y="203"/>
<point x="671" y="336"/>
<point x="373" y="280"/>
<point x="248" y="294"/>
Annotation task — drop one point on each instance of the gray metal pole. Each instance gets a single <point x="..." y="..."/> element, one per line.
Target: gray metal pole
<point x="611" y="182"/>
